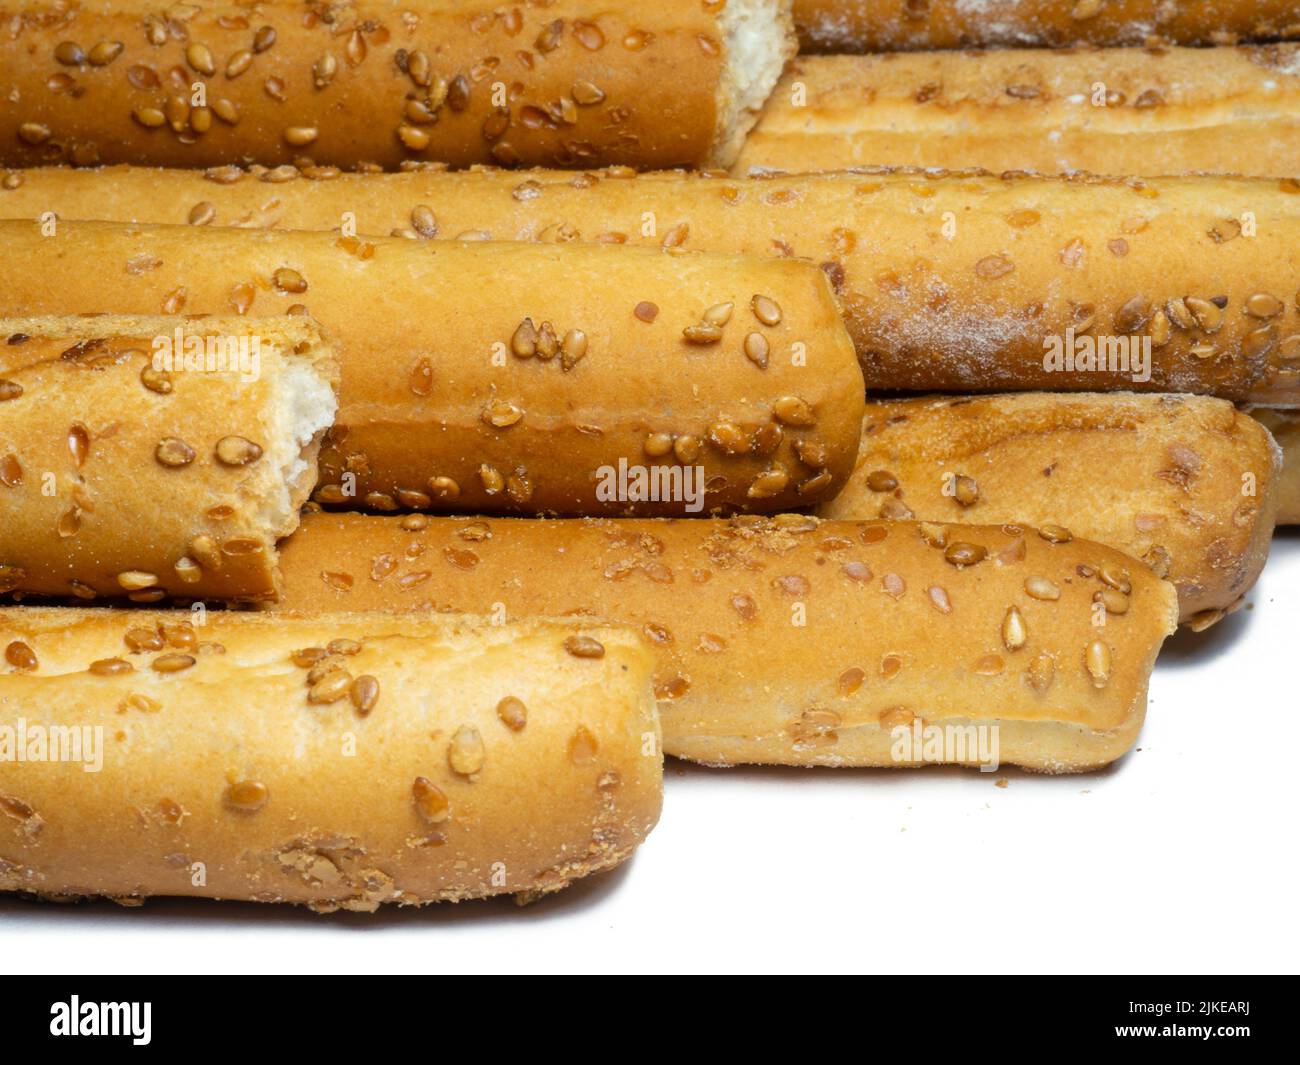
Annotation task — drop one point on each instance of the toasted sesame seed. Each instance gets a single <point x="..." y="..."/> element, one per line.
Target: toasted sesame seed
<point x="248" y="796"/>
<point x="323" y="70"/>
<point x="524" y="341"/>
<point x="501" y="415"/>
<point x="960" y="553"/>
<point x="458" y="93"/>
<point x="110" y="667"/>
<point x="204" y="549"/>
<point x="585" y="94"/>
<point x="136" y="580"/>
<point x="173" y="452"/>
<point x="263" y="39"/>
<point x="33" y="133"/>
<point x="584" y="647"/>
<point x="149" y="117"/>
<point x="573" y="349"/>
<point x="1116" y="577"/>
<point x="719" y="314"/>
<point x="105" y="52"/>
<point x="300" y="136"/>
<point x="881" y="481"/>
<point x="465" y="755"/>
<point x="1041" y="672"/>
<point x="816" y="484"/>
<point x="992" y="267"/>
<point x="238" y="63"/>
<point x="548" y="344"/>
<point x="657" y="445"/>
<point x="1015" y="633"/>
<point x="431" y="801"/>
<point x="9" y="390"/>
<point x="756" y="349"/>
<point x="237" y="451"/>
<point x="172" y="663"/>
<point x="702" y="334"/>
<point x="686" y="448"/>
<point x="187" y="570"/>
<point x="646" y="311"/>
<point x="140" y="640"/>
<point x="772" y="481"/>
<point x="766" y="310"/>
<point x="447" y="488"/>
<point x="199" y="56"/>
<point x="202" y="213"/>
<point x="1042" y="588"/>
<point x="791" y="410"/>
<point x="1056" y="534"/>
<point x="1097" y="661"/>
<point x="492" y="480"/>
<point x="728" y="438"/>
<point x="939" y="598"/>
<point x="1263" y="305"/>
<point x="424" y="222"/>
<point x="20" y="655"/>
<point x="69" y="53"/>
<point x="513" y="713"/>
<point x="334" y="684"/>
<point x="582" y="746"/>
<point x="1259" y="342"/>
<point x="289" y="281"/>
<point x="1115" y="602"/>
<point x="1208" y="316"/>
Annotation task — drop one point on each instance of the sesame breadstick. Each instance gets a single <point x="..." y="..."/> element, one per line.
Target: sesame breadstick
<point x="947" y="282"/>
<point x="131" y="465"/>
<point x="792" y="641"/>
<point x="1115" y="111"/>
<point x="492" y="377"/>
<point x="340" y="761"/>
<point x="1186" y="484"/>
<point x="899" y="25"/>
<point x="1285" y="427"/>
<point x="567" y="83"/>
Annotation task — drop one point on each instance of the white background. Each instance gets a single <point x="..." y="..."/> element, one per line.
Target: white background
<point x="1181" y="857"/>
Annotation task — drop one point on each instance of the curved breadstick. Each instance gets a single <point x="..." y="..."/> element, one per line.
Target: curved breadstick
<point x="1115" y="111"/>
<point x="798" y="642"/>
<point x="337" y="760"/>
<point x="1186" y="484"/>
<point x="512" y="377"/>
<point x="947" y="282"/>
<point x="895" y="25"/>
<point x="377" y="82"/>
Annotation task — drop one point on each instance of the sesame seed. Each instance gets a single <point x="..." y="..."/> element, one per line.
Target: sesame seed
<point x="136" y="580"/>
<point x="1014" y="631"/>
<point x="1042" y="588"/>
<point x="766" y="310"/>
<point x="247" y="796"/>
<point x="756" y="349"/>
<point x="110" y="667"/>
<point x="1097" y="661"/>
<point x="513" y="713"/>
<point x="791" y="410"/>
<point x="431" y="801"/>
<point x="584" y="647"/>
<point x="237" y="451"/>
<point x="646" y="311"/>
<point x="20" y="655"/>
<point x="960" y="553"/>
<point x="173" y="453"/>
<point x="465" y="755"/>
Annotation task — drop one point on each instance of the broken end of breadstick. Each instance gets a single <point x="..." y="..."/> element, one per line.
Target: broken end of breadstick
<point x="146" y="457"/>
<point x="758" y="39"/>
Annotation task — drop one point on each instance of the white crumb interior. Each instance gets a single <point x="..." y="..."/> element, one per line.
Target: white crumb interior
<point x="304" y="407"/>
<point x="754" y="34"/>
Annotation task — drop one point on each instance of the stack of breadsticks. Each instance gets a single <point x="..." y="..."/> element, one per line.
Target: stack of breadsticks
<point x="398" y="456"/>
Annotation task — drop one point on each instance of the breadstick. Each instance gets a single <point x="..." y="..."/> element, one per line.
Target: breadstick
<point x="341" y="761"/>
<point x="131" y="465"/>
<point x="377" y="82"/>
<point x="1012" y="266"/>
<point x="899" y="25"/>
<point x="1116" y="111"/>
<point x="497" y="377"/>
<point x="1185" y="484"/>
<point x="1285" y="427"/>
<point x="794" y="642"/>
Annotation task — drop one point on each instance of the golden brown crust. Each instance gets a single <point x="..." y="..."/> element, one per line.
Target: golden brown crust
<point x="898" y="25"/>
<point x="437" y="410"/>
<point x="947" y="282"/>
<point x="120" y="479"/>
<point x="1285" y="427"/>
<point x="795" y="642"/>
<point x="1171" y="111"/>
<point x="227" y="779"/>
<point x="577" y="83"/>
<point x="1183" y="483"/>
